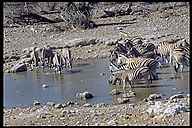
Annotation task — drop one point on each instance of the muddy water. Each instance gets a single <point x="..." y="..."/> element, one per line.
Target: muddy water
<point x="22" y="88"/>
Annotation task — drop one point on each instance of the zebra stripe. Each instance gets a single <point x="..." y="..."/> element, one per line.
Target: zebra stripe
<point x="180" y="58"/>
<point x="132" y="76"/>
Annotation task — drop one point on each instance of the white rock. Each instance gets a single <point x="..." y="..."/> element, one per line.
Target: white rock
<point x="44" y="85"/>
<point x="155" y="96"/>
<point x="35" y="102"/>
<point x="176" y="96"/>
<point x="87" y="105"/>
<point x="58" y="106"/>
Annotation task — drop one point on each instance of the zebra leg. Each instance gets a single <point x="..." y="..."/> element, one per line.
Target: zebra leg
<point x="176" y="67"/>
<point x="170" y="58"/>
<point x="181" y="67"/>
<point x="166" y="61"/>
<point x="150" y="77"/>
<point x="130" y="86"/>
<point x="124" y="85"/>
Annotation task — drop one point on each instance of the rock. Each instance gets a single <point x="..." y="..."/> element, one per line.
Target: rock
<point x="115" y="92"/>
<point x="131" y="105"/>
<point x="58" y="106"/>
<point x="72" y="111"/>
<point x="110" y="42"/>
<point x="84" y="95"/>
<point x="111" y="122"/>
<point x="89" y="51"/>
<point x="154" y="109"/>
<point x="101" y="105"/>
<point x="122" y="100"/>
<point x="44" y="85"/>
<point x="102" y="74"/>
<point x="35" y="102"/>
<point x="176" y="96"/>
<point x="70" y="103"/>
<point x="154" y="97"/>
<point x="119" y="28"/>
<point x="50" y="103"/>
<point x="173" y="110"/>
<point x="127" y="95"/>
<point x="87" y="105"/>
<point x="145" y="100"/>
<point x="65" y="112"/>
<point x="19" y="67"/>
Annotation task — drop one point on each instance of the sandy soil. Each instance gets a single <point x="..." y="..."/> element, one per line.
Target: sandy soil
<point x="95" y="114"/>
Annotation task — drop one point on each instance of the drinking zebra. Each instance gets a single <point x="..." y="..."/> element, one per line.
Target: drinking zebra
<point x="66" y="53"/>
<point x="129" y="77"/>
<point x="135" y="62"/>
<point x="181" y="58"/>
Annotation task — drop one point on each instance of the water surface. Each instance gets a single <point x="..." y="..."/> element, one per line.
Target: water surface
<point x="20" y="89"/>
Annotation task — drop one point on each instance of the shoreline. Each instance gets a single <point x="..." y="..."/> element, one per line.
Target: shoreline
<point x="71" y="113"/>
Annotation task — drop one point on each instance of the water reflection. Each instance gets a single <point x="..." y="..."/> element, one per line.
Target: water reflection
<point x="23" y="88"/>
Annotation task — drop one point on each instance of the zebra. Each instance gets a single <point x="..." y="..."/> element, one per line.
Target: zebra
<point x="120" y="48"/>
<point x="133" y="63"/>
<point x="36" y="56"/>
<point x="66" y="53"/>
<point x="47" y="53"/>
<point x="165" y="49"/>
<point x="132" y="76"/>
<point x="58" y="62"/>
<point x="181" y="58"/>
<point x="114" y="67"/>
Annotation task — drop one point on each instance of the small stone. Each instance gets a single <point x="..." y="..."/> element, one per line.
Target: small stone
<point x="58" y="106"/>
<point x="102" y="74"/>
<point x="85" y="95"/>
<point x="64" y="105"/>
<point x="128" y="95"/>
<point x="70" y="103"/>
<point x="43" y="116"/>
<point x="112" y="122"/>
<point x="119" y="28"/>
<point x="65" y="112"/>
<point x="44" y="85"/>
<point x="131" y="105"/>
<point x="176" y="96"/>
<point x="155" y="97"/>
<point x="89" y="51"/>
<point x="72" y="111"/>
<point x="36" y="103"/>
<point x="87" y="105"/>
<point x="50" y="103"/>
<point x="122" y="100"/>
<point x="145" y="100"/>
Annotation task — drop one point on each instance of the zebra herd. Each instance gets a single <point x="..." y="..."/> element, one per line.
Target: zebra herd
<point x="48" y="57"/>
<point x="131" y="61"/>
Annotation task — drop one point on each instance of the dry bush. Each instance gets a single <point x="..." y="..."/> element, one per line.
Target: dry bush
<point x="77" y="15"/>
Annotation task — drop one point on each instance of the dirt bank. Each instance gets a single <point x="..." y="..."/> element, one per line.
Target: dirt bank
<point x="139" y="114"/>
<point x="154" y="27"/>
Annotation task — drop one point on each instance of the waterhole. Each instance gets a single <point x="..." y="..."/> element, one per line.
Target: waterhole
<point x="21" y="89"/>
